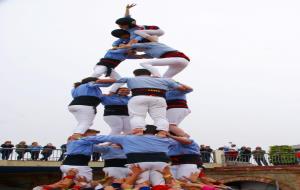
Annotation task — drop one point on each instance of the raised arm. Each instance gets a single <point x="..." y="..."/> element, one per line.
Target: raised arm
<point x="128" y="7"/>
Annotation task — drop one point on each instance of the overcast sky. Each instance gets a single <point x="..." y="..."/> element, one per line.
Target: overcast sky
<point x="244" y="65"/>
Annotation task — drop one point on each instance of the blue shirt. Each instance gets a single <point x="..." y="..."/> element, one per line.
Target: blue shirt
<point x="153" y="49"/>
<point x="179" y="149"/>
<point x="115" y="100"/>
<point x="120" y="41"/>
<point x="88" y="89"/>
<point x="76" y="147"/>
<point x="109" y="152"/>
<point x="132" y="34"/>
<point x="149" y="82"/>
<point x="118" y="54"/>
<point x="177" y="94"/>
<point x="135" y="143"/>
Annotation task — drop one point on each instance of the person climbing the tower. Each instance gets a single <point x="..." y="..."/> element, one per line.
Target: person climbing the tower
<point x="138" y="32"/>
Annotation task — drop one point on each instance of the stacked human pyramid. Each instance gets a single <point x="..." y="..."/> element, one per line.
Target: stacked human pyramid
<point x="133" y="149"/>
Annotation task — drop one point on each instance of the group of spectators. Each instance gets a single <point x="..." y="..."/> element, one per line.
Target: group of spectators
<point x="244" y="154"/>
<point x="22" y="148"/>
<point x="232" y="153"/>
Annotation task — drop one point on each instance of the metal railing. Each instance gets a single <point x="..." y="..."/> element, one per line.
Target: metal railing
<point x="230" y="158"/>
<point x="25" y="154"/>
<point x="236" y="158"/>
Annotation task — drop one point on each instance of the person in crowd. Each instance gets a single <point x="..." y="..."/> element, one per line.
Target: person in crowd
<point x="78" y="156"/>
<point x="47" y="151"/>
<point x="185" y="157"/>
<point x="63" y="149"/>
<point x="86" y="97"/>
<point x="138" y="32"/>
<point x="35" y="150"/>
<point x="205" y="153"/>
<point x="115" y="160"/>
<point x="21" y="149"/>
<point x="177" y="109"/>
<point x="147" y="97"/>
<point x="231" y="153"/>
<point x="165" y="56"/>
<point x="116" y="111"/>
<point x="148" y="149"/>
<point x="244" y="154"/>
<point x="6" y="150"/>
<point x="259" y="156"/>
<point x="297" y="156"/>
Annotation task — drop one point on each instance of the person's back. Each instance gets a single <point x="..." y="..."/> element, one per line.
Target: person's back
<point x="88" y="89"/>
<point x="150" y="82"/>
<point x="146" y="143"/>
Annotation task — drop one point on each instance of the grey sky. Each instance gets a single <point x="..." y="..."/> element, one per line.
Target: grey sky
<point x="245" y="65"/>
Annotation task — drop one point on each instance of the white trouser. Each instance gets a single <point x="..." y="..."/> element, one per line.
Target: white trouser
<point x="177" y="115"/>
<point x="118" y="124"/>
<point x="117" y="172"/>
<point x="84" y="115"/>
<point x="138" y="106"/>
<point x="83" y="171"/>
<point x="184" y="170"/>
<point x="176" y="65"/>
<point x="148" y="33"/>
<point x="100" y="70"/>
<point x="151" y="172"/>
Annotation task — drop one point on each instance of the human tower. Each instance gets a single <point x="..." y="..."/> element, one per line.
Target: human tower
<point x="133" y="147"/>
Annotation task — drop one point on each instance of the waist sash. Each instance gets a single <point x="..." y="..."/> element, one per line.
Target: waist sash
<point x="186" y="159"/>
<point x="177" y="104"/>
<point x="148" y="92"/>
<point x="147" y="157"/>
<point x="116" y="110"/>
<point x="109" y="64"/>
<point x="77" y="160"/>
<point x="86" y="101"/>
<point x="174" y="54"/>
<point x="115" y="163"/>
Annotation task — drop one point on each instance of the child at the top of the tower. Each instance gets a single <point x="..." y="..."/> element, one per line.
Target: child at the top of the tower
<point x="138" y="32"/>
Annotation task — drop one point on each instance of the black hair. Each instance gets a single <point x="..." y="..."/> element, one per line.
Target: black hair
<point x="139" y="72"/>
<point x="119" y="32"/>
<point x="85" y="80"/>
<point x="126" y="21"/>
<point x="151" y="129"/>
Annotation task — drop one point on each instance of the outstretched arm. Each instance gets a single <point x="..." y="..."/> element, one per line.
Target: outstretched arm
<point x="105" y="81"/>
<point x="128" y="7"/>
<point x="182" y="140"/>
